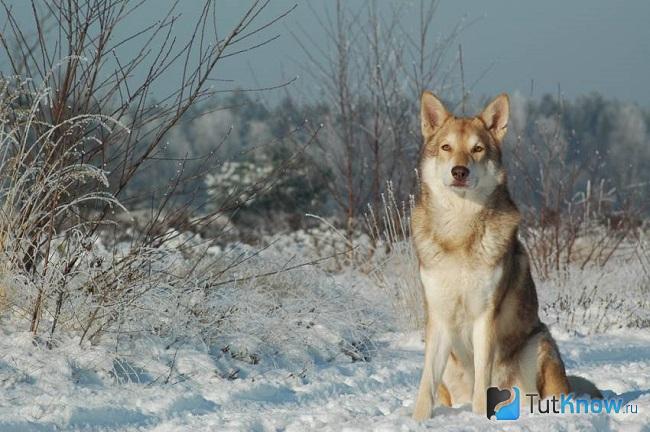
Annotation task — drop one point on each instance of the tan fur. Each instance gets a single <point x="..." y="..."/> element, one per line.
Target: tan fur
<point x="481" y="305"/>
<point x="551" y="377"/>
<point x="444" y="398"/>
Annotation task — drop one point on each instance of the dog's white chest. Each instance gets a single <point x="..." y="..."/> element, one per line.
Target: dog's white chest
<point x="458" y="292"/>
<point x="457" y="296"/>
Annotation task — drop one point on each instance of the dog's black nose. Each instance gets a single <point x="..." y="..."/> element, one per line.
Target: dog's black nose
<point x="460" y="172"/>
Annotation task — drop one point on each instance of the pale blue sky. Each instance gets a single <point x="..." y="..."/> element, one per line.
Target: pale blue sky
<point x="583" y="45"/>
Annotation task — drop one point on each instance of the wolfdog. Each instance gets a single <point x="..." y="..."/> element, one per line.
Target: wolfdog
<point x="482" y="323"/>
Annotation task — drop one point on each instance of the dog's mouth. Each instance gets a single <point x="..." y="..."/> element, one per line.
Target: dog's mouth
<point x="460" y="184"/>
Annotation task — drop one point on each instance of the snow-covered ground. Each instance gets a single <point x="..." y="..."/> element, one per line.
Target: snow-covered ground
<point x="309" y="348"/>
<point x="50" y="390"/>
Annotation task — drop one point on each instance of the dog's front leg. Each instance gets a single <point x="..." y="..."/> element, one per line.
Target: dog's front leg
<point x="483" y="344"/>
<point x="436" y="353"/>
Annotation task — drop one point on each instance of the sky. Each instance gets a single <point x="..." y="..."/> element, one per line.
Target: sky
<point x="580" y="46"/>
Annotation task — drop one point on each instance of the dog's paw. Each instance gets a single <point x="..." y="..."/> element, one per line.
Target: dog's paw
<point x="421" y="414"/>
<point x="422" y="410"/>
<point x="478" y="405"/>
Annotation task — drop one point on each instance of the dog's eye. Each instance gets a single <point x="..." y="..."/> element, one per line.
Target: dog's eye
<point x="446" y="147"/>
<point x="477" y="149"/>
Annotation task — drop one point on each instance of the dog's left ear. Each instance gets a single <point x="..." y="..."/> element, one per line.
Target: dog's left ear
<point x="495" y="116"/>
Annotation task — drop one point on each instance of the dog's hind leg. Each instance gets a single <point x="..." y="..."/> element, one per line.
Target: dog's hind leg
<point x="444" y="397"/>
<point x="551" y="376"/>
<point x="458" y="381"/>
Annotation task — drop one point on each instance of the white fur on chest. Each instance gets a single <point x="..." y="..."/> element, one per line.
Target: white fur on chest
<point x="458" y="293"/>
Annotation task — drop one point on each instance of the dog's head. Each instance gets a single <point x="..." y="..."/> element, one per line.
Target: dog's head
<point x="463" y="155"/>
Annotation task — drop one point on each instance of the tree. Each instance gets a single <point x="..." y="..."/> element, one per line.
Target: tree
<point x="79" y="128"/>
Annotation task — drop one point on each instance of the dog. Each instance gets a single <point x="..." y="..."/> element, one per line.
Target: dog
<point x="482" y="323"/>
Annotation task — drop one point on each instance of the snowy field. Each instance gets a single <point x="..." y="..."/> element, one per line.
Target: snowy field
<point x="42" y="391"/>
<point x="307" y="349"/>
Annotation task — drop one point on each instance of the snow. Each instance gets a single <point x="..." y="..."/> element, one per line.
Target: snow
<point x="308" y="349"/>
<point x="68" y="388"/>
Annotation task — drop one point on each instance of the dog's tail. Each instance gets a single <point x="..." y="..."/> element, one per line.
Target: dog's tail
<point x="582" y="386"/>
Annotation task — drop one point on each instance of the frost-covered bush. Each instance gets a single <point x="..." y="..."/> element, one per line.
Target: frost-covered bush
<point x="382" y="253"/>
<point x="599" y="298"/>
<point x="271" y="192"/>
<point x="44" y="187"/>
<point x="292" y="316"/>
<point x="605" y="284"/>
<point x="64" y="278"/>
<point x="394" y="264"/>
<point x="237" y="301"/>
<point x="240" y="181"/>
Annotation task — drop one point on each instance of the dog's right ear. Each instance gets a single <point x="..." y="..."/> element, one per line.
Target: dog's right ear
<point x="432" y="114"/>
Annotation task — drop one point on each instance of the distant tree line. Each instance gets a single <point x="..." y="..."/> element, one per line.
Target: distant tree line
<point x="555" y="150"/>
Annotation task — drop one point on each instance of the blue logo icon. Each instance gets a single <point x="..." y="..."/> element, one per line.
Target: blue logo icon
<point x="503" y="404"/>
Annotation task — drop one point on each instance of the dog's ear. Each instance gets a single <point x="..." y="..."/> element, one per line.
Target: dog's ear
<point x="432" y="114"/>
<point x="495" y="116"/>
